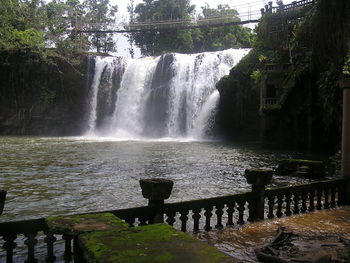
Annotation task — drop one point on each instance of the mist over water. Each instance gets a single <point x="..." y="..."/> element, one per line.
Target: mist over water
<point x="171" y="97"/>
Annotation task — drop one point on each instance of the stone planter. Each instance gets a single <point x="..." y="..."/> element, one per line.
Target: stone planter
<point x="2" y="200"/>
<point x="156" y="188"/>
<point x="257" y="176"/>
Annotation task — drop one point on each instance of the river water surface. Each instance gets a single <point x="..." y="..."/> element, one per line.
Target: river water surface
<point x="51" y="176"/>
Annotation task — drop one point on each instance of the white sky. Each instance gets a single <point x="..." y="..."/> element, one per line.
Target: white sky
<point x="243" y="7"/>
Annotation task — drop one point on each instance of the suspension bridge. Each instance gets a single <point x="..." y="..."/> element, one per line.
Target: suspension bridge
<point x="191" y="23"/>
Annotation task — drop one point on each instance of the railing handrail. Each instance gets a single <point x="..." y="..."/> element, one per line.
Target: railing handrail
<point x="291" y="6"/>
<point x="200" y="203"/>
<point x="199" y="214"/>
<point x="301" y="187"/>
<point x="23" y="226"/>
<point x="38" y="224"/>
<point x="270" y="101"/>
<point x="134" y="211"/>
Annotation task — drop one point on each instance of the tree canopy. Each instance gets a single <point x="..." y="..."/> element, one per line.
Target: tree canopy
<point x="189" y="40"/>
<point x="38" y="25"/>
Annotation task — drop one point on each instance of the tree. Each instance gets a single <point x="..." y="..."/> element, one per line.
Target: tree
<point x="153" y="43"/>
<point x="219" y="38"/>
<point x="21" y="26"/>
<point x="35" y="25"/>
<point x="64" y="18"/>
<point x="190" y="40"/>
<point x="132" y="20"/>
<point x="99" y="15"/>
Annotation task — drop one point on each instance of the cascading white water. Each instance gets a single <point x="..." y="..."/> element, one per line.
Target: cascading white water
<point x="205" y="120"/>
<point x="171" y="96"/>
<point x="100" y="64"/>
<point x="127" y="119"/>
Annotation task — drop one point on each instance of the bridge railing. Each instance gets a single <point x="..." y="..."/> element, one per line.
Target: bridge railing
<point x="270" y="101"/>
<point x="186" y="23"/>
<point x="196" y="215"/>
<point x="286" y="8"/>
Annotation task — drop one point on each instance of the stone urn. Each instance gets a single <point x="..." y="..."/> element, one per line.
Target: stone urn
<point x="2" y="200"/>
<point x="258" y="176"/>
<point x="156" y="188"/>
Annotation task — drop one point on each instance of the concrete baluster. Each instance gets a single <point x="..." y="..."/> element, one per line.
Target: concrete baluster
<point x="2" y="200"/>
<point x="258" y="178"/>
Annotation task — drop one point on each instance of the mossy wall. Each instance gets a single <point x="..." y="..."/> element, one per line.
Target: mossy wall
<point x="42" y="96"/>
<point x="310" y="112"/>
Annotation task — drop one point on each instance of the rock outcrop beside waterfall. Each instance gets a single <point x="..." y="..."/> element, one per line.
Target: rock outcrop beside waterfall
<point x="38" y="98"/>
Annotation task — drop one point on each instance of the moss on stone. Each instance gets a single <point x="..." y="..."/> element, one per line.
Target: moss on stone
<point x="153" y="243"/>
<point x="78" y="224"/>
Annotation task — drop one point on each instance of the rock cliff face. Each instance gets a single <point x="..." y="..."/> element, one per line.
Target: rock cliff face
<point x="290" y="97"/>
<point x="43" y="97"/>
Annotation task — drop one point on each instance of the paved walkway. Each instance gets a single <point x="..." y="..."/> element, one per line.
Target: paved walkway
<point x="317" y="235"/>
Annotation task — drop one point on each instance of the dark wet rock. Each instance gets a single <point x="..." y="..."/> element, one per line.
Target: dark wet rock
<point x="301" y="168"/>
<point x="288" y="247"/>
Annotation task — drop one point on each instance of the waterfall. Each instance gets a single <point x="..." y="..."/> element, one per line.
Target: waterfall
<point x="172" y="96"/>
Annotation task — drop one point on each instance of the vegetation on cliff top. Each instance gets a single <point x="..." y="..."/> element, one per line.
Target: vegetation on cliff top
<point x="35" y="26"/>
<point x="191" y="40"/>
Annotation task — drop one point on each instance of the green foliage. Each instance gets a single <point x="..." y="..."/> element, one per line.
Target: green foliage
<point x="191" y="40"/>
<point x="256" y="75"/>
<point x="32" y="26"/>
<point x="329" y="93"/>
<point x="261" y="31"/>
<point x="100" y="13"/>
<point x="17" y="30"/>
<point x="152" y="43"/>
<point x="262" y="58"/>
<point x="346" y="68"/>
<point x="47" y="96"/>
<point x="219" y="38"/>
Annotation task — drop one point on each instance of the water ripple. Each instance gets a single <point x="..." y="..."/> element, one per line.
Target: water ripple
<point x="48" y="176"/>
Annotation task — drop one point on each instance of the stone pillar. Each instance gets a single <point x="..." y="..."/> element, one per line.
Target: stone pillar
<point x="270" y="6"/>
<point x="345" y="147"/>
<point x="266" y="9"/>
<point x="156" y="190"/>
<point x="258" y="178"/>
<point x="2" y="200"/>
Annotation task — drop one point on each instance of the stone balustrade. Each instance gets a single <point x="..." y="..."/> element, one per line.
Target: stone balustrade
<point x="188" y="216"/>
